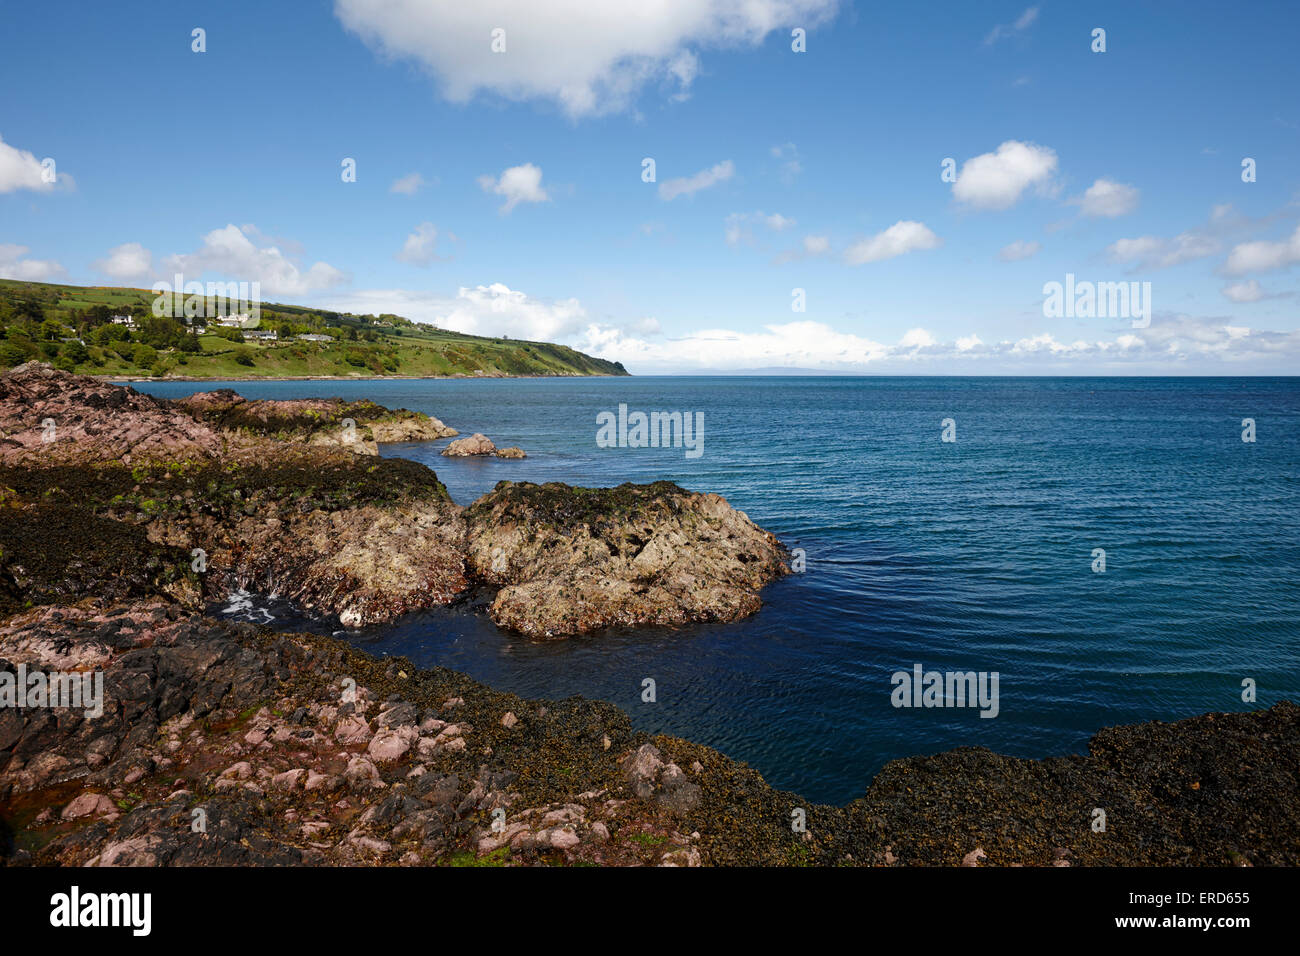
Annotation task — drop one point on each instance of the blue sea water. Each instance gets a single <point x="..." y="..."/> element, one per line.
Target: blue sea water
<point x="972" y="555"/>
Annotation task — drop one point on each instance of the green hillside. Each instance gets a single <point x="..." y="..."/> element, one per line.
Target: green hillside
<point x="73" y="328"/>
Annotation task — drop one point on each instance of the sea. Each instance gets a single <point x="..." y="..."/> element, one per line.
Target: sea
<point x="1113" y="549"/>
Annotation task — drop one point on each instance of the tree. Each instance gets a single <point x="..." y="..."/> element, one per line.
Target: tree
<point x="75" y="352"/>
<point x="108" y="334"/>
<point x="144" y="355"/>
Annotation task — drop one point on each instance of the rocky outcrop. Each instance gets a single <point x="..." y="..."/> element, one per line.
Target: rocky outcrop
<point x="475" y="444"/>
<point x="224" y="744"/>
<point x="51" y="416"/>
<point x="224" y="493"/>
<point x="360" y="538"/>
<point x="48" y="415"/>
<point x="569" y="560"/>
<point x="332" y="422"/>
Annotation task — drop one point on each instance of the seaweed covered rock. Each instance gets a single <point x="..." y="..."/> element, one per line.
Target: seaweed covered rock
<point x="1217" y="789"/>
<point x="55" y="553"/>
<point x="266" y="497"/>
<point x="331" y="422"/>
<point x="300" y="749"/>
<point x="361" y="538"/>
<point x="570" y="560"/>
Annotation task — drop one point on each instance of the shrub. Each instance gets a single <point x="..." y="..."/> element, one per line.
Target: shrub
<point x="76" y="352"/>
<point x="11" y="355"/>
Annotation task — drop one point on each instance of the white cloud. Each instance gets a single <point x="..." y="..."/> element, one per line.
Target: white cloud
<point x="902" y="237"/>
<point x="1135" y="250"/>
<point x="802" y="344"/>
<point x="689" y="185"/>
<point x="20" y="169"/>
<point x="407" y="185"/>
<point x="493" y="309"/>
<point x="230" y="253"/>
<point x="517" y="184"/>
<point x="997" y="180"/>
<point x="1106" y="199"/>
<point x="1023" y="22"/>
<point x="1244" y="291"/>
<point x="587" y="57"/>
<point x="1172" y="341"/>
<point x="1154" y="252"/>
<point x="420" y="246"/>
<point x="1020" y="249"/>
<point x="125" y="262"/>
<point x="1263" y="255"/>
<point x="14" y="266"/>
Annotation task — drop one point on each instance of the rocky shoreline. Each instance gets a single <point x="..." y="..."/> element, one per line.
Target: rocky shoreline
<point x="226" y="744"/>
<point x="288" y="497"/>
<point x="299" y="749"/>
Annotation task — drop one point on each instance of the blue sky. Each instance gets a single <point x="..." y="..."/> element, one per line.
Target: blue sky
<point x="502" y="192"/>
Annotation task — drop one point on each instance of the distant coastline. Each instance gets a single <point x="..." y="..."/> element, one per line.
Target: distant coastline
<point x="127" y="335"/>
